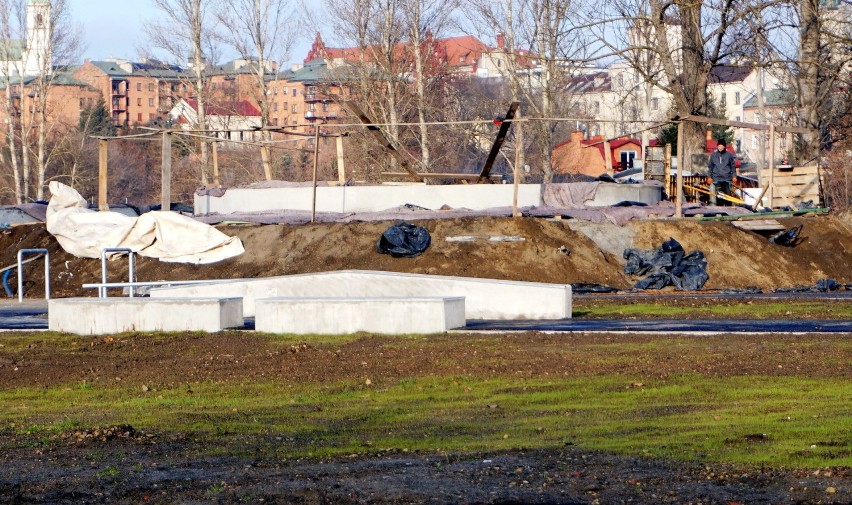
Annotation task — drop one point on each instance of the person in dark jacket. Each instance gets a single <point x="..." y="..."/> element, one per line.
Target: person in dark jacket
<point x="722" y="171"/>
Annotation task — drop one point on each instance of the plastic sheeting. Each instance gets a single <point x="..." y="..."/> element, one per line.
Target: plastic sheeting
<point x="404" y="240"/>
<point x="667" y="265"/>
<point x="167" y="236"/>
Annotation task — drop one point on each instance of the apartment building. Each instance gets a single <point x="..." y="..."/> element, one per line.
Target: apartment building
<point x="66" y="97"/>
<point x="135" y="93"/>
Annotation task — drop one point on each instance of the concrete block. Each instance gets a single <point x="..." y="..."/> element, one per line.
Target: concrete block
<point x="398" y="315"/>
<point x="609" y="193"/>
<point x="484" y="298"/>
<point x="367" y="198"/>
<point x="97" y="316"/>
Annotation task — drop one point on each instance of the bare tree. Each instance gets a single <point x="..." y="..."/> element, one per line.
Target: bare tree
<point x="543" y="49"/>
<point x="10" y="74"/>
<point x="49" y="41"/>
<point x="673" y="45"/>
<point x="263" y="32"/>
<point x="186" y="31"/>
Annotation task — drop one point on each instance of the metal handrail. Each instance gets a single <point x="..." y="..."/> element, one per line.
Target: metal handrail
<point x="46" y="254"/>
<point x="131" y="269"/>
<point x="103" y="285"/>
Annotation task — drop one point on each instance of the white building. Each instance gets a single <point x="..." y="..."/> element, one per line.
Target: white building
<point x="29" y="55"/>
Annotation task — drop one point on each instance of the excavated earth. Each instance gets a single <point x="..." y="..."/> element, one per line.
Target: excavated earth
<point x="175" y="468"/>
<point x="551" y="251"/>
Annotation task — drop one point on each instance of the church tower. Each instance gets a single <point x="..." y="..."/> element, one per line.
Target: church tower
<point x="37" y="57"/>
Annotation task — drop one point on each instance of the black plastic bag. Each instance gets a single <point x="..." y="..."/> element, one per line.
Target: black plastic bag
<point x="667" y="265"/>
<point x="404" y="240"/>
<point x="788" y="238"/>
<point x="585" y="287"/>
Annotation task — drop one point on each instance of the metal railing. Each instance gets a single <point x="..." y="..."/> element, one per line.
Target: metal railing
<point x="21" y="254"/>
<point x="131" y="269"/>
<point x="108" y="285"/>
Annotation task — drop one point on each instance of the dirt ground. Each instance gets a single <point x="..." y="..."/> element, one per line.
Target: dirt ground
<point x="173" y="468"/>
<point x="550" y="252"/>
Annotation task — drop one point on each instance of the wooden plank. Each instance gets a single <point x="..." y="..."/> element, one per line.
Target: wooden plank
<point x="796" y="191"/>
<point x="103" y="178"/>
<point x="809" y="170"/>
<point x="441" y="175"/>
<point x="759" y="225"/>
<point x="388" y="144"/>
<point x="498" y="141"/>
<point x="680" y="169"/>
<point x="797" y="181"/>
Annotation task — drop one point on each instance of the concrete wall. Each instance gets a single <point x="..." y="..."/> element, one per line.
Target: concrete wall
<point x="367" y="198"/>
<point x="484" y="298"/>
<point x="611" y="193"/>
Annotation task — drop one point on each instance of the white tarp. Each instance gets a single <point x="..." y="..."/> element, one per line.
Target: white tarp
<point x="167" y="236"/>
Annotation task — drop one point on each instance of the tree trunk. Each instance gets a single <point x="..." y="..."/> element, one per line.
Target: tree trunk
<point x="808" y="78"/>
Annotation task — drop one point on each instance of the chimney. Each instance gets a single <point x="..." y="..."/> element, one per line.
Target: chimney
<point x="576" y="136"/>
<point x="501" y="41"/>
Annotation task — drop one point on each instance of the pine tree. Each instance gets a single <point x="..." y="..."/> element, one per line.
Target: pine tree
<point x="97" y="121"/>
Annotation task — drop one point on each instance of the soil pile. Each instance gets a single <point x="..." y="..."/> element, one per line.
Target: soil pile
<point x="528" y="249"/>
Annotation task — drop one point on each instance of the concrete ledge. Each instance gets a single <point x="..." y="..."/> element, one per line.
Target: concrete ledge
<point x="350" y="315"/>
<point x="484" y="298"/>
<point x="96" y="316"/>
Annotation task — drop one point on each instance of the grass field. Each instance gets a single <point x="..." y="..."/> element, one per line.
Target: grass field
<point x="778" y="402"/>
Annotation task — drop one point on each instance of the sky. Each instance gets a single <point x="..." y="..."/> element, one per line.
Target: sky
<point x="114" y="28"/>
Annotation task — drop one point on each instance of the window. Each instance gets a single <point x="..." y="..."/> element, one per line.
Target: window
<point x="325" y="107"/>
<point x="655" y="104"/>
<point x="294" y="91"/>
<point x="736" y="118"/>
<point x="152" y="116"/>
<point x="596" y="108"/>
<point x="81" y="103"/>
<point x="138" y="86"/>
<point x="139" y="102"/>
<point x="275" y="107"/>
<point x="150" y="87"/>
<point x="150" y="102"/>
<point x="736" y="98"/>
<point x="723" y="100"/>
<point x="284" y="91"/>
<point x="294" y="108"/>
<point x="274" y="90"/>
<point x="139" y="117"/>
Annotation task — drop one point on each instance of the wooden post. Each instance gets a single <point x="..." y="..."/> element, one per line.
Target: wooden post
<point x="103" y="162"/>
<point x="519" y="146"/>
<point x="680" y="168"/>
<point x="607" y="157"/>
<point x="341" y="172"/>
<point x="316" y="160"/>
<point x="166" y="192"/>
<point x="667" y="170"/>
<point x="771" y="163"/>
<point x="215" y="148"/>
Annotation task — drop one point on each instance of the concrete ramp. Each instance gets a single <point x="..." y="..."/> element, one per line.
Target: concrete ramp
<point x="484" y="298"/>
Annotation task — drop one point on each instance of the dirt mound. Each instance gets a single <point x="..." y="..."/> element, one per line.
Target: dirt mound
<point x="549" y="252"/>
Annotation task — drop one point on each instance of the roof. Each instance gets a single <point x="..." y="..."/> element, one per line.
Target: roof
<point x="721" y="74"/>
<point x="590" y="83"/>
<point x="772" y="98"/>
<point x="464" y="50"/>
<point x="239" y="108"/>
